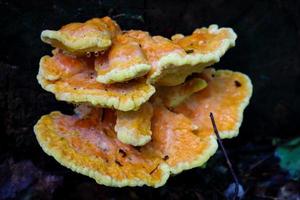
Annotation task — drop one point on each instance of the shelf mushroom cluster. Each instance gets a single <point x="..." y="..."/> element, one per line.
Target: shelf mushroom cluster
<point x="142" y="102"/>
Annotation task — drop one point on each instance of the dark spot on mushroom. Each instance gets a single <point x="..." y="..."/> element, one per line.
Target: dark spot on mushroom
<point x="213" y="75"/>
<point x="122" y="152"/>
<point x="102" y="116"/>
<point x="140" y="45"/>
<point x="154" y="170"/>
<point x="237" y="83"/>
<point x="195" y="131"/>
<point x="170" y="109"/>
<point x="138" y="149"/>
<point x="75" y="88"/>
<point x="166" y="157"/>
<point x="118" y="163"/>
<point x="189" y="51"/>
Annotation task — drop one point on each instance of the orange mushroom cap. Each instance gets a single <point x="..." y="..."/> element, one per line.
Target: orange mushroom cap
<point x="124" y="61"/>
<point x="181" y="139"/>
<point x="79" y="38"/>
<point x="173" y="60"/>
<point x="226" y="96"/>
<point x="175" y="95"/>
<point x="134" y="127"/>
<point x="89" y="146"/>
<point x="172" y="130"/>
<point x="73" y="79"/>
<point x="174" y="138"/>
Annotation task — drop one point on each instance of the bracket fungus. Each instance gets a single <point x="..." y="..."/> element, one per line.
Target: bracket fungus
<point x="175" y="95"/>
<point x="226" y="95"/>
<point x="94" y="35"/>
<point x="142" y="105"/>
<point x="173" y="60"/>
<point x="125" y="61"/>
<point x="134" y="127"/>
<point x="73" y="79"/>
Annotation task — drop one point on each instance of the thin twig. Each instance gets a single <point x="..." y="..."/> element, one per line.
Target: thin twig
<point x="256" y="164"/>
<point x="236" y="181"/>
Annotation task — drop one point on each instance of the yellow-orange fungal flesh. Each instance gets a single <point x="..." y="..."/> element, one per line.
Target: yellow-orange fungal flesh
<point x="118" y="135"/>
<point x="94" y="35"/>
<point x="73" y="79"/>
<point x="226" y="96"/>
<point x="90" y="146"/>
<point x="124" y="61"/>
<point x="174" y="95"/>
<point x="173" y="60"/>
<point x="134" y="127"/>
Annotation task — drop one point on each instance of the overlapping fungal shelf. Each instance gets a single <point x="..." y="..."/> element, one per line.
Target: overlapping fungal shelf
<point x="141" y="102"/>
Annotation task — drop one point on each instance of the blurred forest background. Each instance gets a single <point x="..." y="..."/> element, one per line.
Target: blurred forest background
<point x="267" y="49"/>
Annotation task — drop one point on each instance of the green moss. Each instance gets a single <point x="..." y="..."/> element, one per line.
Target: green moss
<point x="289" y="155"/>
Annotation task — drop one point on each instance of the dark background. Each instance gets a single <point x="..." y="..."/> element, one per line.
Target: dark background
<point x="267" y="49"/>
